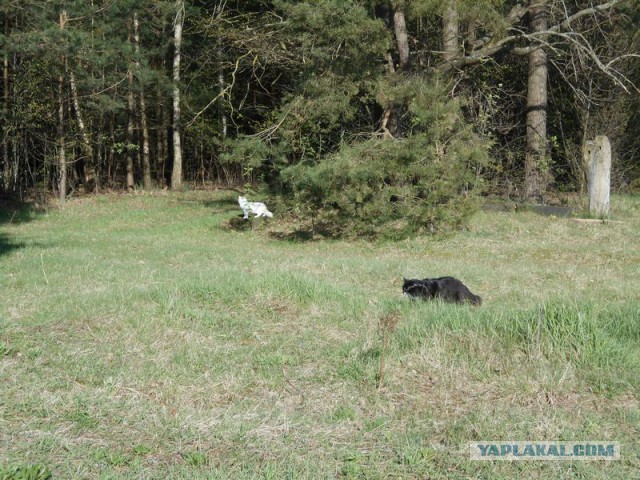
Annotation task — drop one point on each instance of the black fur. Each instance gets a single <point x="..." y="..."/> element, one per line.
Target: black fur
<point x="448" y="289"/>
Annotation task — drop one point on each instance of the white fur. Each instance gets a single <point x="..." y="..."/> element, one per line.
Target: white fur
<point x="259" y="209"/>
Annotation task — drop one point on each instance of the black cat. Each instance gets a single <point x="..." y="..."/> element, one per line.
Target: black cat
<point x="448" y="289"/>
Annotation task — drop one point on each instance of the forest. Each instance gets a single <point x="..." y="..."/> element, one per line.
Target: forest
<point x="404" y="112"/>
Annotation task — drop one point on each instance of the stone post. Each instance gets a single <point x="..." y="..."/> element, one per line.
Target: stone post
<point x="598" y="156"/>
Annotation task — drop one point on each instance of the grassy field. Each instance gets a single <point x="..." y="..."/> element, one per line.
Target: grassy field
<point x="140" y="337"/>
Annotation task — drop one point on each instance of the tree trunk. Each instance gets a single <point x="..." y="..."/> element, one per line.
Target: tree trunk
<point x="390" y="125"/>
<point x="402" y="39"/>
<point x="223" y="115"/>
<point x="129" y="138"/>
<point x="146" y="150"/>
<point x="111" y="156"/>
<point x="450" y="31"/>
<point x="90" y="183"/>
<point x="536" y="162"/>
<point x="6" y="171"/>
<point x="161" y="145"/>
<point x="176" y="175"/>
<point x="62" y="154"/>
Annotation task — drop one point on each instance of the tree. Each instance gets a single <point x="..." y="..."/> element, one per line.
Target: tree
<point x="402" y="39"/>
<point x="176" y="176"/>
<point x="6" y="172"/>
<point x="450" y="31"/>
<point x="552" y="29"/>
<point x="267" y="85"/>
<point x="426" y="182"/>
<point x="130" y="145"/>
<point x="536" y="166"/>
<point x="146" y="148"/>
<point x="62" y="152"/>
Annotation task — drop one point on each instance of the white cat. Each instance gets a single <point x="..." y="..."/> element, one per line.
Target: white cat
<point x="259" y="209"/>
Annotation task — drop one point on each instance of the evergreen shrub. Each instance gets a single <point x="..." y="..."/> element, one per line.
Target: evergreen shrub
<point x="427" y="181"/>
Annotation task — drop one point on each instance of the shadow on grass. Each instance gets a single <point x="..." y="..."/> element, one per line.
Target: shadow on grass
<point x="221" y="205"/>
<point x="295" y="236"/>
<point x="7" y="245"/>
<point x="306" y="231"/>
<point x="240" y="224"/>
<point x="14" y="212"/>
<point x="218" y="201"/>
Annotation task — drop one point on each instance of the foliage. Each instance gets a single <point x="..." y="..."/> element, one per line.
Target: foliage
<point x="269" y="84"/>
<point x="336" y="35"/>
<point x="28" y="472"/>
<point x="339" y="48"/>
<point x="347" y="181"/>
<point x="427" y="181"/>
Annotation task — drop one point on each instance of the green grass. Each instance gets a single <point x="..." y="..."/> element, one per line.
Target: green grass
<point x="141" y="337"/>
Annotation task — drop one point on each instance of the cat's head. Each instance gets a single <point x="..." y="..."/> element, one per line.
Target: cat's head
<point x="242" y="199"/>
<point x="409" y="284"/>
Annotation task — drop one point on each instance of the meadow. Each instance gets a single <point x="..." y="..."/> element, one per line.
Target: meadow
<point x="142" y="337"/>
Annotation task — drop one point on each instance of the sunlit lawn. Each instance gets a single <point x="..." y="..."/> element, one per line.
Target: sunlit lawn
<point x="142" y="337"/>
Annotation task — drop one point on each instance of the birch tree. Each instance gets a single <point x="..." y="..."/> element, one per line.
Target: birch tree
<point x="176" y="176"/>
<point x="62" y="153"/>
<point x="6" y="171"/>
<point x="146" y="148"/>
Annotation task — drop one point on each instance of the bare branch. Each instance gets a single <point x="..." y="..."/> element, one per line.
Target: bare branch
<point x="225" y="92"/>
<point x="485" y="47"/>
<point x="566" y="24"/>
<point x="583" y="48"/>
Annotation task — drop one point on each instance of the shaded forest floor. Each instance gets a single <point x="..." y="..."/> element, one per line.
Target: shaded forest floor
<point x="141" y="337"/>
